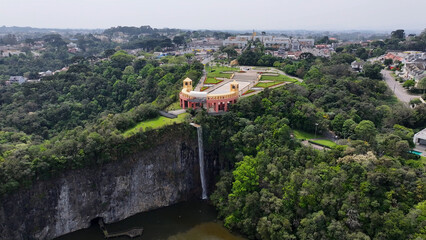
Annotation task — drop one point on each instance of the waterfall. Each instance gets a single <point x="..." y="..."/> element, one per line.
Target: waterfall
<point x="201" y="160"/>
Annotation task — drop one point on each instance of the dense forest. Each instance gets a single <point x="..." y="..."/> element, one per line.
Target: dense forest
<point x="275" y="188"/>
<point x="70" y="119"/>
<point x="369" y="188"/>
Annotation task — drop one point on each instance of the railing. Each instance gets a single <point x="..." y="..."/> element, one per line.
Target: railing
<point x="184" y="94"/>
<point x="222" y="96"/>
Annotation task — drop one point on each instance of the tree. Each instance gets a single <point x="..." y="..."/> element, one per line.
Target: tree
<point x="337" y="123"/>
<point x="246" y="177"/>
<point x="230" y="52"/>
<point x="9" y="39"/>
<point x="422" y="84"/>
<point x="388" y="61"/>
<point x="109" y="52"/>
<point x="179" y="40"/>
<point x="398" y="34"/>
<point x="121" y="59"/>
<point x="372" y="71"/>
<point x="409" y="83"/>
<point x="138" y="64"/>
<point x="307" y="56"/>
<point x="324" y="40"/>
<point x="366" y="131"/>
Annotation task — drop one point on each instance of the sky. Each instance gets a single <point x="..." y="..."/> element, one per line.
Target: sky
<point x="218" y="14"/>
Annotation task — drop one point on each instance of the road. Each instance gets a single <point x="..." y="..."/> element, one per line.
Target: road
<point x="398" y="90"/>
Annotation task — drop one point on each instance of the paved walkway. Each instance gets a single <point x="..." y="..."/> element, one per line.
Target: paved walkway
<point x="201" y="82"/>
<point x="177" y="112"/>
<point x="318" y="147"/>
<point x="398" y="90"/>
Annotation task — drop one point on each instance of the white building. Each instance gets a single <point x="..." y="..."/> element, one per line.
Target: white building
<point x="241" y="41"/>
<point x="17" y="79"/>
<point x="420" y="137"/>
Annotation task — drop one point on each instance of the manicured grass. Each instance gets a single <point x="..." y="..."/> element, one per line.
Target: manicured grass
<point x="276" y="80"/>
<point x="155" y="123"/>
<point x="325" y="142"/>
<point x="210" y="80"/>
<point x="218" y="72"/>
<point x="281" y="78"/>
<point x="204" y="88"/>
<point x="267" y="84"/>
<point x="223" y="69"/>
<point x="248" y="92"/>
<point x="303" y="135"/>
<point x="298" y="134"/>
<point x="173" y="106"/>
<point x="218" y="75"/>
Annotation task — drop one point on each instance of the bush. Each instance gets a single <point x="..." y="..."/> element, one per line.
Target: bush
<point x="409" y="84"/>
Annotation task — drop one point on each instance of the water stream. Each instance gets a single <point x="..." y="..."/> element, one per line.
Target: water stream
<point x="201" y="160"/>
<point x="192" y="220"/>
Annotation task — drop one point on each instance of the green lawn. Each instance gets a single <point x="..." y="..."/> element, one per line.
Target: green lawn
<point x="155" y="123"/>
<point x="267" y="84"/>
<point x="173" y="106"/>
<point x="280" y="78"/>
<point x="218" y="72"/>
<point x="298" y="134"/>
<point x="211" y="80"/>
<point x="303" y="135"/>
<point x="325" y="142"/>
<point x="218" y="75"/>
<point x="248" y="92"/>
<point x="223" y="69"/>
<point x="276" y="80"/>
<point x="204" y="88"/>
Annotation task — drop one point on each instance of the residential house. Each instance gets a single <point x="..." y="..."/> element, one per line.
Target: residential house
<point x="17" y="79"/>
<point x="420" y="137"/>
<point x="357" y="65"/>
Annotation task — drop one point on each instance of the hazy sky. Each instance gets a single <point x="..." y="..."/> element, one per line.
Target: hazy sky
<point x="218" y="14"/>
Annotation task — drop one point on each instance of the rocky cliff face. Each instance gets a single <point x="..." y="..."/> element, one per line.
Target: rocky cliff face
<point x="163" y="175"/>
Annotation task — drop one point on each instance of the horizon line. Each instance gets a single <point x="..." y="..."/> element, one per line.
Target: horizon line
<point x="226" y="30"/>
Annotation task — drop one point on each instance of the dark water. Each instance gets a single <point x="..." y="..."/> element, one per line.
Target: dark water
<point x="192" y="220"/>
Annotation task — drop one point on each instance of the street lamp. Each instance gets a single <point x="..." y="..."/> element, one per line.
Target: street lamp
<point x="316" y="125"/>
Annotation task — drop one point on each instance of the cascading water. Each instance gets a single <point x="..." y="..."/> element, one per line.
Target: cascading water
<point x="201" y="160"/>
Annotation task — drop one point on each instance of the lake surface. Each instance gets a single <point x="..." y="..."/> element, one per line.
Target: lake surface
<point x="192" y="220"/>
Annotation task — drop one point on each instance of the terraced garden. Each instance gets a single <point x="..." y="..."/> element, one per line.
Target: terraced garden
<point x="220" y="72"/>
<point x="269" y="80"/>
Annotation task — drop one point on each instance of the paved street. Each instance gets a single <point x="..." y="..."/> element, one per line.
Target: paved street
<point x="397" y="88"/>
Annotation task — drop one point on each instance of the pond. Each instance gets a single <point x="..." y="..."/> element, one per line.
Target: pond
<point x="192" y="220"/>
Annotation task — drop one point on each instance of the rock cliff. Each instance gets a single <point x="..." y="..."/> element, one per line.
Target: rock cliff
<point x="164" y="174"/>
